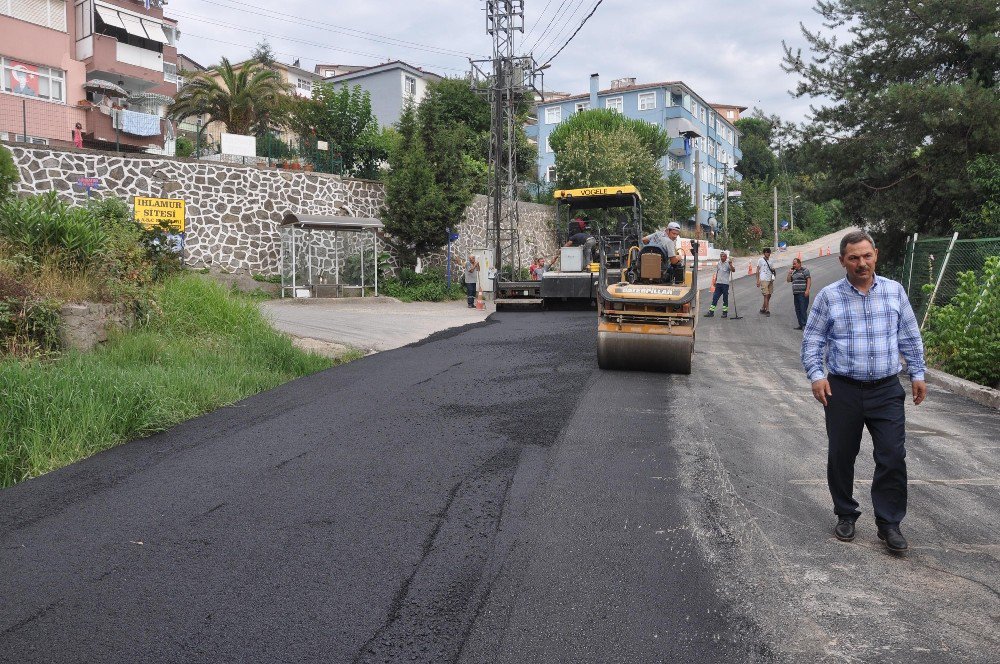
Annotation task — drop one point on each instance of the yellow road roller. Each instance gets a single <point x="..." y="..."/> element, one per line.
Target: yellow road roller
<point x="646" y="307"/>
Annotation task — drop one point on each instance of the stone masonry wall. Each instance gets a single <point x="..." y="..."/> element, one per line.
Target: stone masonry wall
<point x="233" y="212"/>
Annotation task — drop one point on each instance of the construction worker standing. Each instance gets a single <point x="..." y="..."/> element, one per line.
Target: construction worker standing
<point x="720" y="282"/>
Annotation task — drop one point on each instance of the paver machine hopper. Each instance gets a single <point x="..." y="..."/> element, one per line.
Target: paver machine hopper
<point x="647" y="308"/>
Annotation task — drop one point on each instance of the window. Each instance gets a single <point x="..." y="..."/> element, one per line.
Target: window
<point x="46" y="13"/>
<point x="21" y="78"/>
<point x="647" y="101"/>
<point x="550" y="174"/>
<point x="701" y="110"/>
<point x="84" y="18"/>
<point x="553" y="115"/>
<point x="548" y="146"/>
<point x="20" y="138"/>
<point x="305" y="85"/>
<point x="410" y="86"/>
<point x="582" y="106"/>
<point x="730" y="114"/>
<point x="614" y="104"/>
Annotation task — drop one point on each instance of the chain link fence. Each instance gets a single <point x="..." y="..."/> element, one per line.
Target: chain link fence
<point x="938" y="262"/>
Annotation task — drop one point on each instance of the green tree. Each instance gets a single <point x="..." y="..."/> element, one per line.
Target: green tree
<point x="679" y="205"/>
<point x="343" y="118"/>
<point x="908" y="101"/>
<point x="452" y="102"/>
<point x="652" y="139"/>
<point x="983" y="219"/>
<point x="596" y="158"/>
<point x="427" y="189"/>
<point x="264" y="54"/>
<point x="239" y="98"/>
<point x="758" y="160"/>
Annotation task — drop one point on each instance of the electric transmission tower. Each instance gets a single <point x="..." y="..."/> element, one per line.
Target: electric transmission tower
<point x="505" y="78"/>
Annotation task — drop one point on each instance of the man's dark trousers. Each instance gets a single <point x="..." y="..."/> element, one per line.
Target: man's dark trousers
<point x="470" y="293"/>
<point x="801" y="308"/>
<point x="879" y="406"/>
<point x="723" y="291"/>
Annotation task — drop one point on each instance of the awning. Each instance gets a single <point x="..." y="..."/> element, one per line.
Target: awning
<point x="106" y="88"/>
<point x="155" y="31"/>
<point x="331" y="223"/>
<point x="110" y="16"/>
<point x="133" y="25"/>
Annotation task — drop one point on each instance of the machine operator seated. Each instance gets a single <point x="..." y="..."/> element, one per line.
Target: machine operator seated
<point x="666" y="242"/>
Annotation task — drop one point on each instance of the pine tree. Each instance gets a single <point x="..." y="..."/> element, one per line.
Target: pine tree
<point x="906" y="104"/>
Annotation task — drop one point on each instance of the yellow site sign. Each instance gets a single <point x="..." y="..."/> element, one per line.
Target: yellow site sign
<point x="152" y="212"/>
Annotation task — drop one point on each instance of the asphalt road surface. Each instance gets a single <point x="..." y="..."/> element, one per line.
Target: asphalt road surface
<point x="489" y="495"/>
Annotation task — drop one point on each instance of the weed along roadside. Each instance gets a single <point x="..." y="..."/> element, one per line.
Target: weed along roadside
<point x="174" y="345"/>
<point x="206" y="348"/>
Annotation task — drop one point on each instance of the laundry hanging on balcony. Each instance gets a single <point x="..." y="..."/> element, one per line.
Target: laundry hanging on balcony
<point x="138" y="124"/>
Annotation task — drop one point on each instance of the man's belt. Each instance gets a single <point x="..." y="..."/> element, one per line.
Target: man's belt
<point x="879" y="382"/>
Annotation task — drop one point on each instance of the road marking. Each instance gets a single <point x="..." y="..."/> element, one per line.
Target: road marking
<point x="969" y="481"/>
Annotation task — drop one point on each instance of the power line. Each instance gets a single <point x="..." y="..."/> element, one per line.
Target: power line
<point x="582" y="23"/>
<point x="567" y="24"/>
<point x="261" y="33"/>
<point x="537" y="23"/>
<point x="548" y="27"/>
<point x="360" y="34"/>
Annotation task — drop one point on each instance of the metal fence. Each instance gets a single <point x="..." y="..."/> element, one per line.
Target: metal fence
<point x="932" y="265"/>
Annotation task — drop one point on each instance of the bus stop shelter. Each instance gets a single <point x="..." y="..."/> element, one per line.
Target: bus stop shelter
<point x="328" y="256"/>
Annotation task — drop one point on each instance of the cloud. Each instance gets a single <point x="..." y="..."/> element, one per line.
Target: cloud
<point x="727" y="51"/>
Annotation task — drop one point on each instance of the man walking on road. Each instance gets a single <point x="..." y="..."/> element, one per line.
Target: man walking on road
<point x="860" y="325"/>
<point x="720" y="282"/>
<point x="765" y="280"/>
<point x="801" y="286"/>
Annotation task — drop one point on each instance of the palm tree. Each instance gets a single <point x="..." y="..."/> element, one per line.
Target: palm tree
<point x="238" y="98"/>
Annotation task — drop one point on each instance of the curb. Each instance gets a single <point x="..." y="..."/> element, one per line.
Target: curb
<point x="987" y="396"/>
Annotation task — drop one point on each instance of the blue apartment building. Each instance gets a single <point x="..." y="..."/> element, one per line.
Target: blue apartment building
<point x="697" y="129"/>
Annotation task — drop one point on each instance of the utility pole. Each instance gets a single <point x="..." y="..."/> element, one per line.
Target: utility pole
<point x="791" y="210"/>
<point x="775" y="217"/>
<point x="697" y="193"/>
<point x="725" y="204"/>
<point x="507" y="77"/>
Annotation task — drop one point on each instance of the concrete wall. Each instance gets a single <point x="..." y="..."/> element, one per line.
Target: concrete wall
<point x="234" y="212"/>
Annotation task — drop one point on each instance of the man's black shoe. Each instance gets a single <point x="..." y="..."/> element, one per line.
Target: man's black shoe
<point x="845" y="529"/>
<point x="799" y="327"/>
<point x="709" y="314"/>
<point x="893" y="538"/>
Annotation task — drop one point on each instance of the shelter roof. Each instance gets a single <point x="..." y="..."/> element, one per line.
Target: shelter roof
<point x="331" y="223"/>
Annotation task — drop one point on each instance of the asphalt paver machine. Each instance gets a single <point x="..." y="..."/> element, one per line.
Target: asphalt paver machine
<point x="647" y="309"/>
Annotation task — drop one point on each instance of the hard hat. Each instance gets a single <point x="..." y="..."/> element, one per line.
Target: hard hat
<point x="673" y="226"/>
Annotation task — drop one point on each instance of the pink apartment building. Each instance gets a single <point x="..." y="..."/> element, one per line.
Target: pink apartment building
<point x="109" y="65"/>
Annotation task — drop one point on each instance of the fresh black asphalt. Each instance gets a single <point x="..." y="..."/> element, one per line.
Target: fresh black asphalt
<point x="487" y="495"/>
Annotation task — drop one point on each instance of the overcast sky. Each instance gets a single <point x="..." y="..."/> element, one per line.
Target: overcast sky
<point x="728" y="51"/>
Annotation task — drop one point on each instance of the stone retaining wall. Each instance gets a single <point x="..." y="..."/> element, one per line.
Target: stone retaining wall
<point x="84" y="325"/>
<point x="234" y="212"/>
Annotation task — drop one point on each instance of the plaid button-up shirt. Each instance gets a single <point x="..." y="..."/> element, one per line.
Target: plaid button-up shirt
<point x="862" y="336"/>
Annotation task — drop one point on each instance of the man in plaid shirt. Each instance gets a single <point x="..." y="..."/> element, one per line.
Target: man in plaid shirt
<point x="860" y="325"/>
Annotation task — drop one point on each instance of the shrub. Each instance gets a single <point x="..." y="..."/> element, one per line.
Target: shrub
<point x="430" y="286"/>
<point x="27" y="324"/>
<point x="185" y="148"/>
<point x="794" y="237"/>
<point x="45" y="225"/>
<point x="963" y="336"/>
<point x="9" y="175"/>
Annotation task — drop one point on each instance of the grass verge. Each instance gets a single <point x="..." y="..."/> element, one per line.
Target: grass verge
<point x="207" y="348"/>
